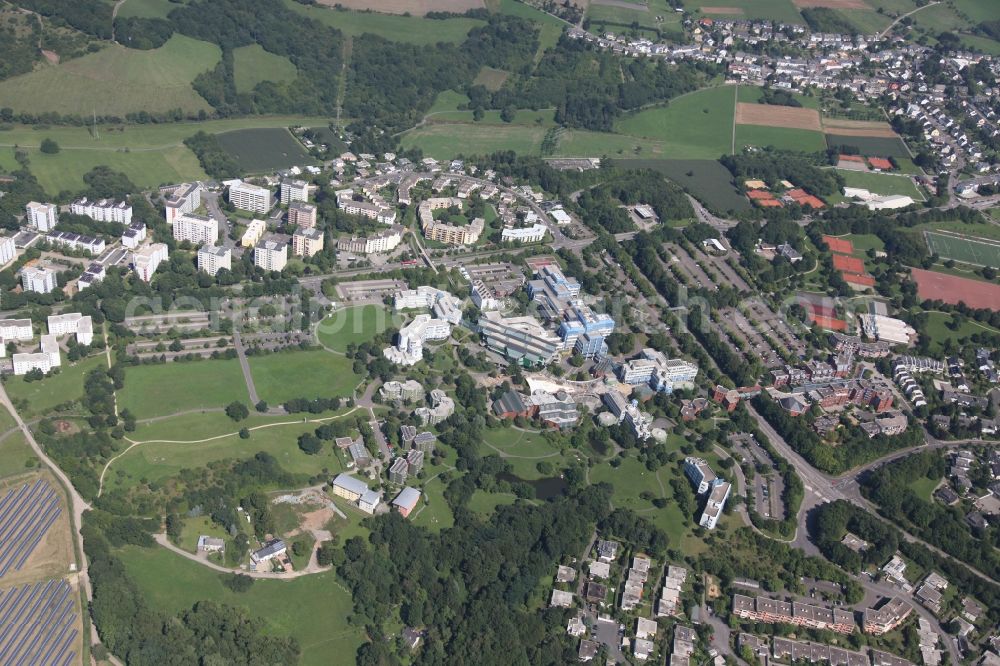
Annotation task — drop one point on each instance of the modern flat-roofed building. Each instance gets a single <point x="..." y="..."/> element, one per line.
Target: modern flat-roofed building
<point x="399" y="471"/>
<point x="406" y="501"/>
<point x="75" y="241"/>
<point x="521" y="339"/>
<point x="450" y="234"/>
<point x="886" y="616"/>
<point x="307" y="242"/>
<point x="772" y="611"/>
<point x="553" y="291"/>
<point x="383" y="241"/>
<point x="584" y="330"/>
<point x="254" y="232"/>
<point x="72" y="323"/>
<point x="95" y="273"/>
<point x="395" y="390"/>
<point x="349" y="487"/>
<point x="146" y="259"/>
<point x="270" y="255"/>
<point x="409" y="348"/>
<point x="37" y="279"/>
<point x="7" y="250"/>
<point x="442" y="406"/>
<point x="302" y="215"/>
<point x="103" y="210"/>
<point x="213" y="259"/>
<point x="533" y="234"/>
<point x="271" y="550"/>
<point x="15" y="329"/>
<point x="250" y="197"/>
<point x="656" y="370"/>
<point x="42" y="216"/>
<point x="180" y="199"/>
<point x="44" y="360"/>
<point x="294" y="190"/>
<point x="700" y="473"/>
<point x="133" y="235"/>
<point x="196" y="229"/>
<point x="715" y="503"/>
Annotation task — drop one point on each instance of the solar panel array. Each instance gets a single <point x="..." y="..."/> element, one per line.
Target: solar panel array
<point x="36" y="625"/>
<point x="26" y="514"/>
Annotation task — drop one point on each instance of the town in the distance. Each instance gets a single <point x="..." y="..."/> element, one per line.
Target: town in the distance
<point x="500" y="332"/>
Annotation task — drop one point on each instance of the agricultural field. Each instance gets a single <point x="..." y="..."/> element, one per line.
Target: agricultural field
<point x="707" y="180"/>
<point x="162" y="389"/>
<point x="260" y="150"/>
<point x="414" y="7"/>
<point x="874" y="146"/>
<point x="966" y="249"/>
<point x="253" y="65"/>
<point x="302" y="374"/>
<point x="751" y="94"/>
<point x="313" y="609"/>
<point x="116" y="81"/>
<point x="355" y="325"/>
<point x="803" y="140"/>
<point x="698" y="125"/>
<point x="147" y="8"/>
<point x="446" y="140"/>
<point x="410" y="29"/>
<point x="652" y="15"/>
<point x="774" y="10"/>
<point x="66" y="386"/>
<point x="882" y="183"/>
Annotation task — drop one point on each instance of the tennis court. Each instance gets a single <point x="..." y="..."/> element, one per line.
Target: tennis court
<point x="966" y="249"/>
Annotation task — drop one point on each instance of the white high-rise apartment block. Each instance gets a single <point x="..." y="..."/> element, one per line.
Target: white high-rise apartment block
<point x="197" y="229"/>
<point x="271" y="255"/>
<point x="409" y="348"/>
<point x="40" y="280"/>
<point x="147" y="258"/>
<point x="42" y="216"/>
<point x="72" y="322"/>
<point x="250" y="197"/>
<point x="212" y="259"/>
<point x="135" y="234"/>
<point x="294" y="190"/>
<point x="180" y="199"/>
<point x="103" y="210"/>
<point x="7" y="250"/>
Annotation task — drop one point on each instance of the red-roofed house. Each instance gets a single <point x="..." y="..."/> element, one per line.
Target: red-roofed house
<point x="880" y="163"/>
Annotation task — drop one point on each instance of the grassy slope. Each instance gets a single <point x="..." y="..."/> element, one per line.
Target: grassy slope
<point x="308" y="374"/>
<point x="780" y="137"/>
<point x="352" y="326"/>
<point x="66" y="386"/>
<point x="694" y="126"/>
<point x="116" y="81"/>
<point x="313" y="609"/>
<point x="253" y="65"/>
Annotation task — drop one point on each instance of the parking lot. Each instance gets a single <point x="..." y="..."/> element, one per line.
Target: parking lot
<point x="768" y="486"/>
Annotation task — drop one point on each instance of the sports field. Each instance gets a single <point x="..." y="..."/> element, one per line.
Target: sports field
<point x="953" y="289"/>
<point x="410" y="29"/>
<point x="116" y="81"/>
<point x="313" y="609"/>
<point x="259" y="150"/>
<point x="882" y="183"/>
<point x="253" y="65"/>
<point x="966" y="249"/>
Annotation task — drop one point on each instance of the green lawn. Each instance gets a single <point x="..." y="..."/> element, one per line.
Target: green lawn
<point x="147" y="8"/>
<point x="434" y="512"/>
<point x="45" y="394"/>
<point x="752" y="94"/>
<point x="490" y="78"/>
<point x="485" y="503"/>
<point x="160" y="460"/>
<point x="783" y="138"/>
<point x="445" y="141"/>
<point x="260" y="149"/>
<point x="707" y="180"/>
<point x="654" y="15"/>
<point x="698" y="125"/>
<point x="116" y="81"/>
<point x="411" y="29"/>
<point x="194" y="528"/>
<point x="158" y="390"/>
<point x="150" y="155"/>
<point x="542" y="118"/>
<point x="938" y="330"/>
<point x="865" y="242"/>
<point x="447" y="100"/>
<point x="355" y="325"/>
<point x="630" y="480"/>
<point x="313" y="609"/>
<point x="882" y="183"/>
<point x="964" y="250"/>
<point x="14" y="454"/>
<point x="302" y="374"/>
<point x="253" y="65"/>
<point x="923" y="487"/>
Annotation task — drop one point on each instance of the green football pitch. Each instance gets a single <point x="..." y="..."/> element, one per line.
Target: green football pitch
<point x="966" y="249"/>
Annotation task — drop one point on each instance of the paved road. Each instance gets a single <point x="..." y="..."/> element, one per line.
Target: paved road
<point x="165" y="542"/>
<point x="244" y="363"/>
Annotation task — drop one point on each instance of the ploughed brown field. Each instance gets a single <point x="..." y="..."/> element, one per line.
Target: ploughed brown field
<point x="769" y="115"/>
<point x="858" y="128"/>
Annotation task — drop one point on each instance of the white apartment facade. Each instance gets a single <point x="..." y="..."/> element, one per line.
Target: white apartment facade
<point x="250" y="197"/>
<point x="42" y="216"/>
<point x="103" y="210"/>
<point x="271" y="255"/>
<point x="212" y="259"/>
<point x="294" y="190"/>
<point x="72" y="323"/>
<point x="181" y="199"/>
<point x="7" y="250"/>
<point x="147" y="258"/>
<point x="196" y="229"/>
<point x="38" y="280"/>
